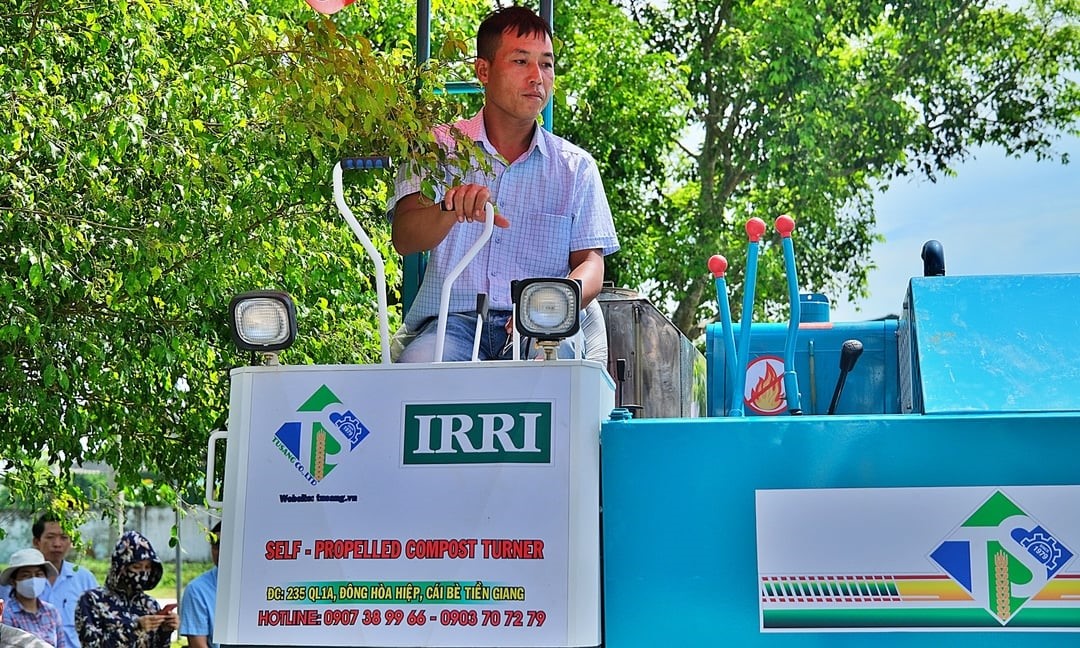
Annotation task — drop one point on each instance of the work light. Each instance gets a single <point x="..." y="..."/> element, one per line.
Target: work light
<point x="547" y="310"/>
<point x="263" y="321"/>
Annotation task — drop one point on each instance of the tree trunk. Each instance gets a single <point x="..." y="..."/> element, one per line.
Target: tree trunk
<point x="685" y="317"/>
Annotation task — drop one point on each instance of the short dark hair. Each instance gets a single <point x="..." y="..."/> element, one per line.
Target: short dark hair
<point x="39" y="524"/>
<point x="491" y="30"/>
<point x="215" y="535"/>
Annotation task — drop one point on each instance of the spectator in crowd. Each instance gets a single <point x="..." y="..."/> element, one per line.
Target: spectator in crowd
<point x="200" y="597"/>
<point x="67" y="584"/>
<point x="122" y="614"/>
<point x="15" y="638"/>
<point x="27" y="575"/>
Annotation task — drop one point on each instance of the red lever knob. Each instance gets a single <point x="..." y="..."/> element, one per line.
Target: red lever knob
<point x="784" y="225"/>
<point x="717" y="265"/>
<point x="755" y="228"/>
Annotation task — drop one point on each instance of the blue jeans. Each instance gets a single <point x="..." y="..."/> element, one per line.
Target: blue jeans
<point x="461" y="334"/>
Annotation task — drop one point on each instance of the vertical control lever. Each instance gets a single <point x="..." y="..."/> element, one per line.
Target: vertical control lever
<point x="755" y="228"/>
<point x="784" y="226"/>
<point x="850" y="351"/>
<point x="718" y="266"/>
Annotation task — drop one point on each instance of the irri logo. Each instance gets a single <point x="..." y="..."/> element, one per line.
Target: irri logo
<point x="314" y="441"/>
<point x="477" y="433"/>
<point x="1001" y="556"/>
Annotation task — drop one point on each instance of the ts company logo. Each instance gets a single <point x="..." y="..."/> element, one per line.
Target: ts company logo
<point x="477" y="433"/>
<point x="311" y="443"/>
<point x="1001" y="556"/>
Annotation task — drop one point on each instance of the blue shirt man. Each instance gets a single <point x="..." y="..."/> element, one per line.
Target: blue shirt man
<point x="199" y="600"/>
<point x="62" y="592"/>
<point x="553" y="218"/>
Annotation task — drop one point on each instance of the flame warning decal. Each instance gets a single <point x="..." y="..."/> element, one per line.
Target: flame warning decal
<point x="764" y="391"/>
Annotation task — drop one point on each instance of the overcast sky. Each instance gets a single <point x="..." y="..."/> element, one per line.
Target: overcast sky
<point x="996" y="216"/>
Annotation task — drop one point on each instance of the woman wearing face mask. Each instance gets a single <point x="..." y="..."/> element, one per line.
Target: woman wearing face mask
<point x="26" y="575"/>
<point x="121" y="614"/>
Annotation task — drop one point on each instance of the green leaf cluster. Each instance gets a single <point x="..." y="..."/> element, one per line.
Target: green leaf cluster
<point x="626" y="103"/>
<point x="156" y="158"/>
<point x="808" y="107"/>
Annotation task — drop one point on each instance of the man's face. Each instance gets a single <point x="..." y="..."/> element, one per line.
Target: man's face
<point x="54" y="544"/>
<point x="518" y="81"/>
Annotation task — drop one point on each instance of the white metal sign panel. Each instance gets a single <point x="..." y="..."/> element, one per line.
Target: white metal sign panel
<point x="393" y="506"/>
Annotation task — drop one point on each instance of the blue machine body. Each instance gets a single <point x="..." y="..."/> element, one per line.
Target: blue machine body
<point x="680" y="553"/>
<point x="977" y="385"/>
<point x="992" y="343"/>
<point x="872" y="386"/>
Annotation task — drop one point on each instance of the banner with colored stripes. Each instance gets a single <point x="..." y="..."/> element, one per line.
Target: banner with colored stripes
<point x="926" y="558"/>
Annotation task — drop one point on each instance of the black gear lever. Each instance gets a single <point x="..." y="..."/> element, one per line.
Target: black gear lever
<point x="850" y="351"/>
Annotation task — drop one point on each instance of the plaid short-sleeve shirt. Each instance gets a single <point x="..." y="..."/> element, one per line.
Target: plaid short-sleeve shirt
<point x="555" y="202"/>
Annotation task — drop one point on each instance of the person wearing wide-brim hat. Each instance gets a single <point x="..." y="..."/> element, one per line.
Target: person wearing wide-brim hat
<point x="27" y="575"/>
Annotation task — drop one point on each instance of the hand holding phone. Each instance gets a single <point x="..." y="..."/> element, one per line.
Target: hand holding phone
<point x="168" y="609"/>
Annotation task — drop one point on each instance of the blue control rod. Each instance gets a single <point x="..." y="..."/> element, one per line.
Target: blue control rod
<point x="784" y="226"/>
<point x="718" y="266"/>
<point x="755" y="227"/>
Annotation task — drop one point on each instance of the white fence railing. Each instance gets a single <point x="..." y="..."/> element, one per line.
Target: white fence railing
<point x="98" y="537"/>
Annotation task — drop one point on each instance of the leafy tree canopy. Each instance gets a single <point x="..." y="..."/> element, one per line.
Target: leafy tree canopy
<point x="807" y="106"/>
<point x="156" y="158"/>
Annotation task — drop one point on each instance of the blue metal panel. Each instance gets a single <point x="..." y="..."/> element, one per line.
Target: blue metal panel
<point x="997" y="343"/>
<point x="871" y="387"/>
<point x="680" y="560"/>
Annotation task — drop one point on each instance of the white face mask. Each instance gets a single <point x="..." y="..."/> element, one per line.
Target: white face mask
<point x="31" y="587"/>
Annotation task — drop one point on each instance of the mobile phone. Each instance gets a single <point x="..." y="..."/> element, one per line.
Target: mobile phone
<point x="168" y="609"/>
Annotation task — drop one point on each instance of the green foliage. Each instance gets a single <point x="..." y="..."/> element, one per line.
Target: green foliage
<point x="807" y="106"/>
<point x="624" y="102"/>
<point x="156" y="158"/>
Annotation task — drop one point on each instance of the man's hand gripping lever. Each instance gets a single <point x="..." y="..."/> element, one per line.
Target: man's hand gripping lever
<point x="444" y="297"/>
<point x="469" y="202"/>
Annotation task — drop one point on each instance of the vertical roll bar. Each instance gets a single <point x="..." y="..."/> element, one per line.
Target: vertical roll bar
<point x="358" y="231"/>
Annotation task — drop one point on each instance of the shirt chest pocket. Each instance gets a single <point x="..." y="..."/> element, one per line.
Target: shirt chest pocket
<point x="543" y="245"/>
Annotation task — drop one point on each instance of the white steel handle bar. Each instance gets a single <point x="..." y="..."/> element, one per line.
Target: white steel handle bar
<point x="444" y="301"/>
<point x="373" y="254"/>
<point x="211" y="457"/>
